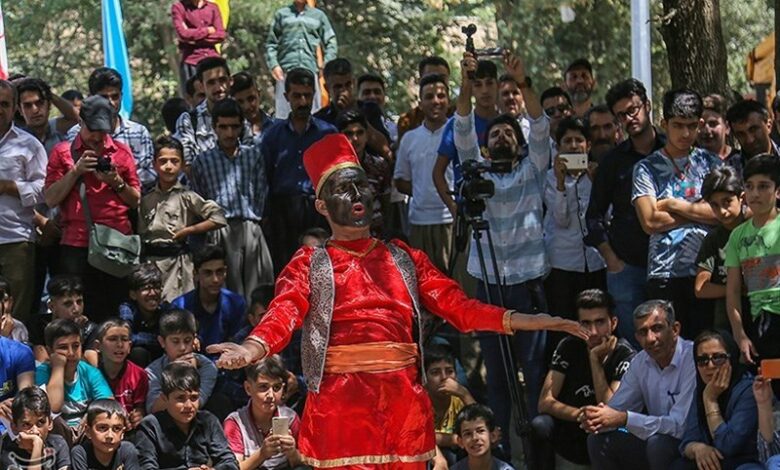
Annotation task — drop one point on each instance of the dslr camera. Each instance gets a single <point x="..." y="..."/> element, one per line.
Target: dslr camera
<point x="103" y="164"/>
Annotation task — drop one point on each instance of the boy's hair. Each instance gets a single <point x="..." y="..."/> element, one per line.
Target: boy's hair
<point x="721" y="180"/>
<point x="438" y="353"/>
<point x="486" y="69"/>
<point x="271" y="366"/>
<point x="107" y="406"/>
<point x="177" y="321"/>
<point x="71" y="95"/>
<point x="171" y="110"/>
<point x="370" y="77"/>
<point x="36" y="85"/>
<point x="350" y="117"/>
<point x="210" y="63"/>
<point x="226" y="108"/>
<point x="31" y="399"/>
<point x="179" y="376"/>
<point x="298" y="76"/>
<point x="113" y="323"/>
<point x="595" y="298"/>
<point x="434" y="60"/>
<point x="242" y="81"/>
<point x="434" y="78"/>
<point x="625" y="89"/>
<point x="103" y="77"/>
<point x="143" y="275"/>
<point x="167" y="142"/>
<point x="571" y="124"/>
<point x="682" y="103"/>
<point x="741" y="111"/>
<point x="64" y="284"/>
<point x="473" y="412"/>
<point x="59" y="328"/>
<point x="208" y="253"/>
<point x="5" y="287"/>
<point x="262" y="295"/>
<point x="763" y="164"/>
<point x="337" y="66"/>
<point x="553" y="92"/>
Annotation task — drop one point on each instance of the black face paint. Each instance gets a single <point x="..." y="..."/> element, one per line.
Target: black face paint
<point x="348" y="198"/>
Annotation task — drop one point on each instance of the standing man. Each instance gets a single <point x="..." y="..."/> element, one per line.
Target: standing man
<point x="414" y="117"/>
<point x="22" y="172"/>
<point x="243" y="89"/>
<point x="295" y="34"/>
<point x="604" y="129"/>
<point x="340" y="83"/>
<point x="579" y="84"/>
<point x="620" y="239"/>
<point x="199" y="29"/>
<point x="751" y="125"/>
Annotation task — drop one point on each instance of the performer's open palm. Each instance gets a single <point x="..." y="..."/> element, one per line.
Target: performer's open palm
<point x="575" y="329"/>
<point x="231" y="355"/>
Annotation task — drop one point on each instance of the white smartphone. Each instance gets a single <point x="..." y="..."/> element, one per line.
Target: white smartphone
<point x="575" y="161"/>
<point x="280" y="426"/>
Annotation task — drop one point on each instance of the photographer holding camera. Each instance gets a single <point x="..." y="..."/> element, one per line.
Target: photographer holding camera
<point x="515" y="216"/>
<point x="107" y="169"/>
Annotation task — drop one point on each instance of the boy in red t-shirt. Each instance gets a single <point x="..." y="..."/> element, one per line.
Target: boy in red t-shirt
<point x="128" y="381"/>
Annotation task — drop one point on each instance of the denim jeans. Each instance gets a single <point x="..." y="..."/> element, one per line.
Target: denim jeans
<point x="617" y="450"/>
<point x="527" y="297"/>
<point x="627" y="287"/>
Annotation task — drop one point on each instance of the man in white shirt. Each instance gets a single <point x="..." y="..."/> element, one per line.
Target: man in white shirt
<point x="22" y="171"/>
<point x="429" y="219"/>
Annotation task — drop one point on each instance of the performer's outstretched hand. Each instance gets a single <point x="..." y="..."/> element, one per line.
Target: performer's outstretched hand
<point x="236" y="356"/>
<point x="543" y="321"/>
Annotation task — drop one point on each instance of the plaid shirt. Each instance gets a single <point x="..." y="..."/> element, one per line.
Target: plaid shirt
<point x="237" y="184"/>
<point x="137" y="137"/>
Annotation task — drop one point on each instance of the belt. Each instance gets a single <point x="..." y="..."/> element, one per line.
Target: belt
<point x="165" y="249"/>
<point x="385" y="356"/>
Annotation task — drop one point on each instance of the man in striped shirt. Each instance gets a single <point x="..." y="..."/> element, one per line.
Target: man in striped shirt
<point x="233" y="175"/>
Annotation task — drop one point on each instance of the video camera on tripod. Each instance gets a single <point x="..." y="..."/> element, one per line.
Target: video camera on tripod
<point x="475" y="189"/>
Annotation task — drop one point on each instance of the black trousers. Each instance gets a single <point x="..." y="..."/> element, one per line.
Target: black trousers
<point x="102" y="292"/>
<point x="289" y="218"/>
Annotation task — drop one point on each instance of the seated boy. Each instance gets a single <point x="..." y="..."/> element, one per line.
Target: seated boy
<point x="219" y="312"/>
<point x="66" y="301"/>
<point x="475" y="427"/>
<point x="129" y="382"/>
<point x="9" y="326"/>
<point x="249" y="429"/>
<point x="104" y="449"/>
<point x="258" y="305"/>
<point x="70" y="382"/>
<point x="169" y="214"/>
<point x="29" y="443"/>
<point x="447" y="395"/>
<point x="143" y="312"/>
<point x="180" y="436"/>
<point x="177" y="335"/>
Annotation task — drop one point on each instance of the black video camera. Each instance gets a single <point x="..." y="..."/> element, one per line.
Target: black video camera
<point x="488" y="52"/>
<point x="475" y="187"/>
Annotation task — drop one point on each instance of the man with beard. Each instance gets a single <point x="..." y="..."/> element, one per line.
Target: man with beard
<point x="359" y="301"/>
<point x="621" y="240"/>
<point x="604" y="131"/>
<point x="290" y="192"/>
<point x="515" y="216"/>
<point x="751" y="125"/>
<point x="579" y="84"/>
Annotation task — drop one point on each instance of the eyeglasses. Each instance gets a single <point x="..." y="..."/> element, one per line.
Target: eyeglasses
<point x="717" y="359"/>
<point x="631" y="112"/>
<point x="151" y="288"/>
<point x="561" y="108"/>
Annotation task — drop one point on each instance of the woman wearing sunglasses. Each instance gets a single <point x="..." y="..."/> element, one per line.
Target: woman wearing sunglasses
<point x="720" y="431"/>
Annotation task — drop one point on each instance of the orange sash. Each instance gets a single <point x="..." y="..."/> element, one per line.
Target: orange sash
<point x="385" y="356"/>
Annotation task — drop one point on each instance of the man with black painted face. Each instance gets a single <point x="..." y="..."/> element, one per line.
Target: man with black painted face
<point x="358" y="299"/>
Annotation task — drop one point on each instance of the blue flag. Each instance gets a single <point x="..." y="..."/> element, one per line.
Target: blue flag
<point x="115" y="52"/>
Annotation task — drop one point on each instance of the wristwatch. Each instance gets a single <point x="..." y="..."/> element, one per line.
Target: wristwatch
<point x="120" y="187"/>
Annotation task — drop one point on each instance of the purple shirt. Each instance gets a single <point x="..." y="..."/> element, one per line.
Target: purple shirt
<point x="191" y="24"/>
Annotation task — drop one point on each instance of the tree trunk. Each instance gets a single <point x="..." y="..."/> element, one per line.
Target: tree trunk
<point x="694" y="45"/>
<point x="777" y="46"/>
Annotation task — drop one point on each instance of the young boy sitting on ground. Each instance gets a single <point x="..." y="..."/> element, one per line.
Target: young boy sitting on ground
<point x="71" y="383"/>
<point x="129" y="382"/>
<point x="105" y="449"/>
<point x="477" y="434"/>
<point x="249" y="429"/>
<point x="180" y="436"/>
<point x="177" y="335"/>
<point x="447" y="395"/>
<point x="29" y="443"/>
<point x="143" y="312"/>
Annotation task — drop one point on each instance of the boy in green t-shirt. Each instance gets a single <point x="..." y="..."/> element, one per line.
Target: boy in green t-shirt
<point x="753" y="255"/>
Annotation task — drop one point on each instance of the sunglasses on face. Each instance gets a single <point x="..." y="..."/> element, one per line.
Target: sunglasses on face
<point x="717" y="359"/>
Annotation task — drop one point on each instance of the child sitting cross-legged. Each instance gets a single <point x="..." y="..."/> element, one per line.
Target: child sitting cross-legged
<point x="29" y="444"/>
<point x="181" y="436"/>
<point x="249" y="429"/>
<point x="105" y="449"/>
<point x="477" y="434"/>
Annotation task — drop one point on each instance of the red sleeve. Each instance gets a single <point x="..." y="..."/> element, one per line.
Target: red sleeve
<point x="185" y="34"/>
<point x="444" y="298"/>
<point x="141" y="389"/>
<point x="233" y="435"/>
<point x="56" y="168"/>
<point x="290" y="305"/>
<point x="126" y="166"/>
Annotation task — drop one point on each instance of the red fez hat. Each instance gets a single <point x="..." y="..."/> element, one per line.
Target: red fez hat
<point x="332" y="152"/>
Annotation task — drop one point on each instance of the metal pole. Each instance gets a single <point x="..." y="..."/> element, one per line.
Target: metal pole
<point x="641" y="44"/>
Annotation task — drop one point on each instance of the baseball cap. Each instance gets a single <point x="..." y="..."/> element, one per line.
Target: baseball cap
<point x="97" y="114"/>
